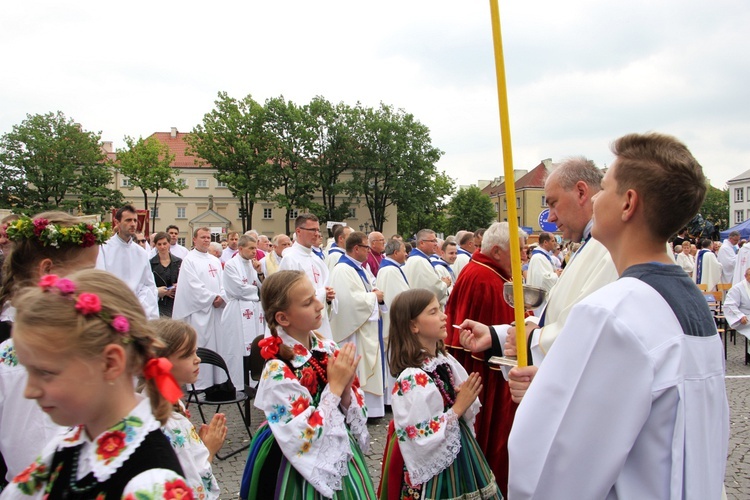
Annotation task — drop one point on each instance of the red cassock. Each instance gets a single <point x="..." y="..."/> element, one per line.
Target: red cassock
<point x="478" y="295"/>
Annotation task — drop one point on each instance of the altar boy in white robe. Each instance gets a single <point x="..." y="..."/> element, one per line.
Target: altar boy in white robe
<point x="737" y="305"/>
<point x="357" y="319"/>
<point x="242" y="319"/>
<point x="199" y="301"/>
<point x="300" y="257"/>
<point x="632" y="398"/>
<point x="392" y="281"/>
<point x="127" y="260"/>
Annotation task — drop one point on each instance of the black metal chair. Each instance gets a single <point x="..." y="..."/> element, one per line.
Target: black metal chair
<point x="198" y="396"/>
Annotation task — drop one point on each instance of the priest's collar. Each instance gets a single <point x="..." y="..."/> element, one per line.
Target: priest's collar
<point x="301" y="353"/>
<point x="121" y="240"/>
<point x="587" y="230"/>
<point x="307" y="250"/>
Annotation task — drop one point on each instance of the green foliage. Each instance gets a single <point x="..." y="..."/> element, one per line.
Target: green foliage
<point x="715" y="207"/>
<point x="233" y="139"/>
<point x="470" y="208"/>
<point x="427" y="208"/>
<point x="147" y="164"/>
<point x="49" y="159"/>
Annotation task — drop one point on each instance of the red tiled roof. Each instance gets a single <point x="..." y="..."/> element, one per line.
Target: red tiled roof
<point x="178" y="147"/>
<point x="534" y="179"/>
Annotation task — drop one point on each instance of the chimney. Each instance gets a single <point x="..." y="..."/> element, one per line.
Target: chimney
<point x="173" y="132"/>
<point x="107" y="147"/>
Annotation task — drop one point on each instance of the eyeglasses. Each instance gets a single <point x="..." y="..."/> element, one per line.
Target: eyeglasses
<point x="364" y="246"/>
<point x="313" y="229"/>
<point x="141" y="241"/>
<point x="430" y="241"/>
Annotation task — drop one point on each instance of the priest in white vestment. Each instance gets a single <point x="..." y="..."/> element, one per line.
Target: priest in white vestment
<point x="444" y="268"/>
<point x="542" y="272"/>
<point x="242" y="319"/>
<point x="199" y="301"/>
<point x="741" y="263"/>
<point x="174" y="248"/>
<point x="357" y="319"/>
<point x="707" y="267"/>
<point x="466" y="248"/>
<point x="737" y="305"/>
<point x="300" y="257"/>
<point x="728" y="256"/>
<point x="127" y="260"/>
<point x="338" y="247"/>
<point x="227" y="253"/>
<point x="419" y="270"/>
<point x="392" y="281"/>
<point x="271" y="262"/>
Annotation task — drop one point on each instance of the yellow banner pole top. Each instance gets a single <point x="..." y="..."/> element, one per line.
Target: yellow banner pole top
<point x="510" y="185"/>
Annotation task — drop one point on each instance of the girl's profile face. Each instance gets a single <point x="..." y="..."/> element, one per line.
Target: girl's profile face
<point x="305" y="311"/>
<point x="185" y="365"/>
<point x="68" y="388"/>
<point x="430" y="325"/>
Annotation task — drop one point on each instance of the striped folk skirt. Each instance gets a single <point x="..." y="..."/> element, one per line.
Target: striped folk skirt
<point x="268" y="474"/>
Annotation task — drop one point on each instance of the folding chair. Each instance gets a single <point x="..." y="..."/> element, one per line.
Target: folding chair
<point x="198" y="397"/>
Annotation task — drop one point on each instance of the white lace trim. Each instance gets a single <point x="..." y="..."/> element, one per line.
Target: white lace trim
<point x="430" y="364"/>
<point x="335" y="451"/>
<point x="358" y="425"/>
<point x="442" y="459"/>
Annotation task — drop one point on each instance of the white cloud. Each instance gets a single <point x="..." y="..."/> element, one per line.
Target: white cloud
<point x="580" y="73"/>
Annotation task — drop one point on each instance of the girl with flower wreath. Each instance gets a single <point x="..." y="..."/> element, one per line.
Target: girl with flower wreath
<point x="195" y="450"/>
<point x="50" y="242"/>
<point x="431" y="452"/>
<point x="312" y="444"/>
<point x="83" y="340"/>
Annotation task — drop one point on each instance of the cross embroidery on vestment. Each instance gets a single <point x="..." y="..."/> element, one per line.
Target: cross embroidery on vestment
<point x="212" y="271"/>
<point x="247" y="314"/>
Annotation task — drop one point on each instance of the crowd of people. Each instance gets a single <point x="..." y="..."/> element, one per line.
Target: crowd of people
<point x="365" y="323"/>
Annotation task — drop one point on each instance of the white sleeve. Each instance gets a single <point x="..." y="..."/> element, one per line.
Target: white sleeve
<point x="193" y="456"/>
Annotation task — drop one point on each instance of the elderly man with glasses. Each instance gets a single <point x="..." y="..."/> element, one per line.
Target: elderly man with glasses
<point x="419" y="270"/>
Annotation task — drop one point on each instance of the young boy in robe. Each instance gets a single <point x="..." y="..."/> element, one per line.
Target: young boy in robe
<point x="631" y="401"/>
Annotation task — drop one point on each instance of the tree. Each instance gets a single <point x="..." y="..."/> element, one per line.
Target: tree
<point x="470" y="208"/>
<point x="427" y="208"/>
<point x="397" y="161"/>
<point x="291" y="152"/>
<point x="46" y="160"/>
<point x="147" y="164"/>
<point x="334" y="153"/>
<point x="233" y="139"/>
<point x="715" y="207"/>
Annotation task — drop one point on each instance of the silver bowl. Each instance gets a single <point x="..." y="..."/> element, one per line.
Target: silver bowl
<point x="533" y="297"/>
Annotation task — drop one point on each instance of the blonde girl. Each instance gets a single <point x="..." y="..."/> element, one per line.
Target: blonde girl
<point x="195" y="450"/>
<point x="430" y="452"/>
<point x="311" y="446"/>
<point x="82" y="340"/>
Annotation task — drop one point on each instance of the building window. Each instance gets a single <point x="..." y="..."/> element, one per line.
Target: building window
<point x="518" y="202"/>
<point x="505" y="204"/>
<point x="739" y="216"/>
<point x="155" y="213"/>
<point x="125" y="182"/>
<point x="739" y="194"/>
<point x="201" y="183"/>
<point x="181" y="241"/>
<point x="180" y="212"/>
<point x="497" y="207"/>
<point x="293" y="213"/>
<point x="352" y="213"/>
<point x="544" y="201"/>
<point x="267" y="213"/>
<point x="221" y="184"/>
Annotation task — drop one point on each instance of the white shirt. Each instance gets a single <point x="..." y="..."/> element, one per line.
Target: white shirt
<point x="727" y="258"/>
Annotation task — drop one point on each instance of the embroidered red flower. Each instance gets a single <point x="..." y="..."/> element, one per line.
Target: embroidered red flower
<point x="434" y="425"/>
<point x="405" y="386"/>
<point x="300" y="350"/>
<point x="110" y="445"/>
<point x="88" y="303"/>
<point x="411" y="431"/>
<point x="299" y="405"/>
<point x="26" y="474"/>
<point x="315" y="420"/>
<point x="269" y="347"/>
<point x="308" y="380"/>
<point x="360" y="399"/>
<point x="421" y="379"/>
<point x="76" y="436"/>
<point x="288" y="373"/>
<point x="177" y="490"/>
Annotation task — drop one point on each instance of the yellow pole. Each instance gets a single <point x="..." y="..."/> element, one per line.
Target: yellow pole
<point x="510" y="184"/>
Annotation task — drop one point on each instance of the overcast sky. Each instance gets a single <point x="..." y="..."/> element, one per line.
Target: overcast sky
<point x="580" y="73"/>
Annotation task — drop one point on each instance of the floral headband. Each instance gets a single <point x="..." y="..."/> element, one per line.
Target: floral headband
<point x="83" y="234"/>
<point x="89" y="304"/>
